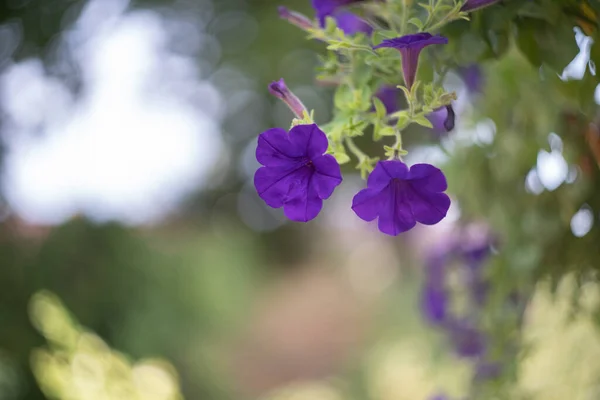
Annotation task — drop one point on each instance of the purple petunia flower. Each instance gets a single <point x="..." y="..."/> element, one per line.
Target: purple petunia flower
<point x="471" y="5"/>
<point x="346" y="21"/>
<point x="351" y="23"/>
<point x="325" y="8"/>
<point x="280" y="90"/>
<point x="410" y="47"/>
<point x="296" y="175"/>
<point x="400" y="197"/>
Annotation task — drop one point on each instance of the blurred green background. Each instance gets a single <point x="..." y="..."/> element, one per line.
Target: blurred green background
<point x="136" y="260"/>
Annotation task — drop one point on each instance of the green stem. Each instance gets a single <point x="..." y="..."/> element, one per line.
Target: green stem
<point x="405" y="15"/>
<point x="358" y="153"/>
<point x="447" y="19"/>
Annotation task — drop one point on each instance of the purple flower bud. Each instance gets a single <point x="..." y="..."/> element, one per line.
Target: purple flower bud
<point x="410" y="47"/>
<point x="471" y="5"/>
<point x="295" y="18"/>
<point x="281" y="91"/>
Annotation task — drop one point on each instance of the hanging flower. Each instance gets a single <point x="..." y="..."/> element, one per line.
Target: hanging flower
<point x="410" y="47"/>
<point x="296" y="174"/>
<point x="400" y="197"/>
<point x="442" y="119"/>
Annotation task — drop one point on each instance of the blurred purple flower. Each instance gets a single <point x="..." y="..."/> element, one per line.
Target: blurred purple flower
<point x="472" y="76"/>
<point x="325" y="8"/>
<point x="346" y="21"/>
<point x="435" y="302"/>
<point x="468" y="341"/>
<point x="351" y="23"/>
<point x="471" y="5"/>
<point x="294" y="18"/>
<point x="410" y="47"/>
<point x="280" y="90"/>
<point x="389" y="97"/>
<point x="486" y="370"/>
<point x="400" y="197"/>
<point x="296" y="175"/>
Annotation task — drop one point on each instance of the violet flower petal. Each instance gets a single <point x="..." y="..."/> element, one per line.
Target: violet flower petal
<point x="367" y="203"/>
<point x="273" y="183"/>
<point x="309" y="139"/>
<point x="275" y="148"/>
<point x="327" y="175"/>
<point x="396" y="216"/>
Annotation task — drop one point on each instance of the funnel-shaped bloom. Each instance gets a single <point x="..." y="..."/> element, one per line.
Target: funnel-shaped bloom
<point x="471" y="5"/>
<point x="280" y="90"/>
<point x="410" y="47"/>
<point x="400" y="197"/>
<point x="296" y="175"/>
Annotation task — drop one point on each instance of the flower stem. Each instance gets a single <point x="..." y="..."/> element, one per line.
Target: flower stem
<point x="358" y="153"/>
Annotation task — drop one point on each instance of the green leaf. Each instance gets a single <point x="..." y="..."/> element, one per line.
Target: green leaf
<point x="423" y="121"/>
<point x="416" y="22"/>
<point x="330" y="25"/>
<point x="341" y="158"/>
<point x="542" y="42"/>
<point x="403" y="119"/>
<point x="379" y="108"/>
<point x="342" y="97"/>
<point x="387" y="131"/>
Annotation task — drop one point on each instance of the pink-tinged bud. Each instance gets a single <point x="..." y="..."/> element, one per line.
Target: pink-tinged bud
<point x="281" y="91"/>
<point x="295" y="18"/>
